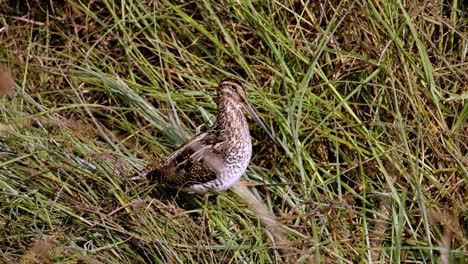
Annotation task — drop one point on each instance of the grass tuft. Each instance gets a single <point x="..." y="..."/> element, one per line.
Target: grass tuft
<point x="366" y="97"/>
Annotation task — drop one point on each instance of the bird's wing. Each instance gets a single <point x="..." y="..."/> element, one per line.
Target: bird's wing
<point x="199" y="160"/>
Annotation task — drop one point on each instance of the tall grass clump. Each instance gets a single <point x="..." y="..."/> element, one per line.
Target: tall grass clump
<point x="366" y="97"/>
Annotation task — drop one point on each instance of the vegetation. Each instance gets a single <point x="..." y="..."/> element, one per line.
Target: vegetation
<point x="366" y="97"/>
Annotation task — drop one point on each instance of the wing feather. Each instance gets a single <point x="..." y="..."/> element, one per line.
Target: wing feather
<point x="199" y="160"/>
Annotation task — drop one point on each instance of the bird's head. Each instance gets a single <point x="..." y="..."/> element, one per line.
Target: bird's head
<point x="232" y="89"/>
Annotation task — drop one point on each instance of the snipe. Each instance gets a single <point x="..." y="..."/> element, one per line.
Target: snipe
<point x="213" y="160"/>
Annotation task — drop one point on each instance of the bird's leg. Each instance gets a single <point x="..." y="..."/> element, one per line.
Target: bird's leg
<point x="205" y="215"/>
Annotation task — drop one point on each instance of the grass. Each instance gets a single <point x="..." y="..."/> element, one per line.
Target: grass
<point x="366" y="97"/>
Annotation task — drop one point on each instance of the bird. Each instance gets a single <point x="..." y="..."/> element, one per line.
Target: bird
<point x="215" y="159"/>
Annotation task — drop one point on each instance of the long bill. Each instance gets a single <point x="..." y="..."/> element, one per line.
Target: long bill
<point x="259" y="121"/>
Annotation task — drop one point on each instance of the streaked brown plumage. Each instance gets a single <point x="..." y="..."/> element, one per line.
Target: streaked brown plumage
<point x="217" y="158"/>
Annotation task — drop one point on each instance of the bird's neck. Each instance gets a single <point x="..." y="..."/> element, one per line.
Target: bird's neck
<point x="230" y="116"/>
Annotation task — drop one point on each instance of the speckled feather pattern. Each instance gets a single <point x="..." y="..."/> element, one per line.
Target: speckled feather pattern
<point x="215" y="159"/>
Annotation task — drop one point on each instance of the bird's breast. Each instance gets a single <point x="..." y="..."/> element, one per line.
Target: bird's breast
<point x="238" y="156"/>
